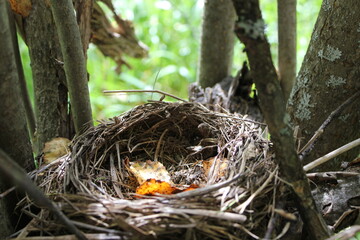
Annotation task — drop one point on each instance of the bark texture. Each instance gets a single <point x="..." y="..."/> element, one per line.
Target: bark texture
<point x="14" y="137"/>
<point x="217" y="42"/>
<point x="250" y="30"/>
<point x="30" y="117"/>
<point x="51" y="99"/>
<point x="287" y="44"/>
<point x="74" y="62"/>
<point x="329" y="75"/>
<point x="83" y="16"/>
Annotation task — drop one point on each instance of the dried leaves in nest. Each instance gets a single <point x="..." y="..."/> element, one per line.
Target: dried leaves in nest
<point x="225" y="155"/>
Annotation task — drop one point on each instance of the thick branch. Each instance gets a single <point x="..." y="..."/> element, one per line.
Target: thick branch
<point x="74" y="62"/>
<point x="250" y="30"/>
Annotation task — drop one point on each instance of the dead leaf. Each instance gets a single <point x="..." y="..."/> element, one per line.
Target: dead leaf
<point x="55" y="148"/>
<point x="221" y="166"/>
<point x="22" y="7"/>
<point x="152" y="186"/>
<point x="149" y="170"/>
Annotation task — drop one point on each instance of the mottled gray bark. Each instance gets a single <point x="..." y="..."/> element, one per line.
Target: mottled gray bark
<point x="14" y="137"/>
<point x="329" y="75"/>
<point x="287" y="45"/>
<point x="74" y="62"/>
<point x="51" y="99"/>
<point x="217" y="42"/>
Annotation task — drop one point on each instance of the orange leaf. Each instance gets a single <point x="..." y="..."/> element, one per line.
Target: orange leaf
<point x="151" y="186"/>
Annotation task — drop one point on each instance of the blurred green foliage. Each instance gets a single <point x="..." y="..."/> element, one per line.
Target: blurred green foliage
<point x="171" y="29"/>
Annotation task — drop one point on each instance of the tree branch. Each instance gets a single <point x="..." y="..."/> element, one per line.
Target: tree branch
<point x="30" y="116"/>
<point x="74" y="62"/>
<point x="250" y="30"/>
<point x="287" y="44"/>
<point x="332" y="155"/>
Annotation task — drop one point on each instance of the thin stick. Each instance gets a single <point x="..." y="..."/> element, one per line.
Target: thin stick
<point x="144" y="91"/>
<point x="204" y="190"/>
<point x="332" y="175"/>
<point x="332" y="154"/>
<point x="310" y="145"/>
<point x="346" y="234"/>
<point x="158" y="145"/>
<point x="312" y="140"/>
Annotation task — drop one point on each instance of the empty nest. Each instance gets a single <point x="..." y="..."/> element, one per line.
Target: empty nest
<point x="94" y="188"/>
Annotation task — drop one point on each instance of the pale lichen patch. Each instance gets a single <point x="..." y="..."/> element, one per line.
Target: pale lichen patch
<point x="303" y="110"/>
<point x="315" y="35"/>
<point x="287" y="119"/>
<point x="330" y="53"/>
<point x="344" y="117"/>
<point x="326" y="5"/>
<point x="334" y="81"/>
<point x="300" y="83"/>
<point x="255" y="30"/>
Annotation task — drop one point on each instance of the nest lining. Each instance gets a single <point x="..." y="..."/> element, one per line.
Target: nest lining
<point x="93" y="186"/>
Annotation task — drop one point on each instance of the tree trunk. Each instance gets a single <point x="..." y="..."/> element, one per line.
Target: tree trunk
<point x="14" y="137"/>
<point x="329" y="75"/>
<point x="217" y="42"/>
<point x="287" y="44"/>
<point x="51" y="98"/>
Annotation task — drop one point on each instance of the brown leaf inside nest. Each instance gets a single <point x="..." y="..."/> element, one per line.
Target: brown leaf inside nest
<point x="149" y="170"/>
<point x="152" y="186"/>
<point x="220" y="166"/>
<point x="55" y="148"/>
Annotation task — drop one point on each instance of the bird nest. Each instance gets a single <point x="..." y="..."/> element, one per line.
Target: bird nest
<point x="218" y="167"/>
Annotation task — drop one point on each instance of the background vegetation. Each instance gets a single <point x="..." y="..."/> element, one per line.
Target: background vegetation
<point x="171" y="30"/>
